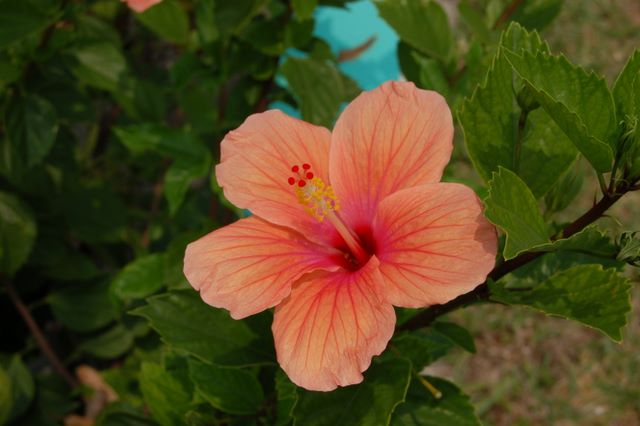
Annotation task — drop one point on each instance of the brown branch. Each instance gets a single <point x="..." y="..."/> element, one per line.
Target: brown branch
<point x="353" y="53"/>
<point x="506" y="13"/>
<point x="481" y="293"/>
<point x="42" y="342"/>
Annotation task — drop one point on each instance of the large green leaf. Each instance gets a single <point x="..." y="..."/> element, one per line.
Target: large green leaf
<point x="167" y="398"/>
<point x="319" y="87"/>
<point x="422" y="408"/>
<point x="579" y="102"/>
<point x="624" y="92"/>
<point x="590" y="240"/>
<point x="17" y="233"/>
<point x="423" y="347"/>
<point x="228" y="389"/>
<point x="140" y="278"/>
<point x="184" y="321"/>
<point x="304" y="8"/>
<point x="495" y="135"/>
<point x="99" y="64"/>
<point x="513" y="208"/>
<point x="422" y="24"/>
<point x="370" y="403"/>
<point x="537" y="14"/>
<point x="83" y="306"/>
<point x="287" y="399"/>
<point x="22" y="388"/>
<point x="232" y="15"/>
<point x="21" y="18"/>
<point x="32" y="125"/>
<point x="179" y="177"/>
<point x="173" y="143"/>
<point x="110" y="344"/>
<point x="167" y="19"/>
<point x="597" y="297"/>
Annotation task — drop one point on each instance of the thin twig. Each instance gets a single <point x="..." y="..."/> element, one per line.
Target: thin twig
<point x="506" y="13"/>
<point x="42" y="342"/>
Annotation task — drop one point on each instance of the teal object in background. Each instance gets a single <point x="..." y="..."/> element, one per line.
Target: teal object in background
<point x="347" y="28"/>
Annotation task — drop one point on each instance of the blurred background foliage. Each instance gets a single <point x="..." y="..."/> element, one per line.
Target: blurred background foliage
<point x="110" y="127"/>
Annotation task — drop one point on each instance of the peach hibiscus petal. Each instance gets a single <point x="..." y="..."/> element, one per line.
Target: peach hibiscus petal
<point x="256" y="167"/>
<point x="141" y="5"/>
<point x="332" y="324"/>
<point x="433" y="243"/>
<point x="394" y="137"/>
<point x="250" y="265"/>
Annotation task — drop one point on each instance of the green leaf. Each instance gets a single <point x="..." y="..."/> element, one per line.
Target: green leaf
<point x="422" y="408"/>
<point x="369" y="403"/>
<point x="52" y="402"/>
<point x="109" y="345"/>
<point x="21" y="18"/>
<point x="537" y="14"/>
<point x="421" y="347"/>
<point x="563" y="192"/>
<point x="17" y="233"/>
<point x="304" y="8"/>
<point x="94" y="212"/>
<point x="233" y="15"/>
<point x="122" y="414"/>
<point x="22" y="388"/>
<point x="320" y="88"/>
<point x="6" y="398"/>
<point x="99" y="64"/>
<point x="168" y="20"/>
<point x="476" y="22"/>
<point x="597" y="297"/>
<point x="206" y="22"/>
<point x="32" y="126"/>
<point x="174" y="143"/>
<point x="83" y="306"/>
<point x="179" y="177"/>
<point x="287" y="399"/>
<point x="590" y="240"/>
<point x="184" y="321"/>
<point x="422" y="24"/>
<point x="228" y="389"/>
<point x="164" y="394"/>
<point x="629" y="247"/>
<point x="623" y="90"/>
<point x="512" y="207"/>
<point x="457" y="334"/>
<point x="140" y="278"/>
<point x="579" y="102"/>
<point x="495" y="134"/>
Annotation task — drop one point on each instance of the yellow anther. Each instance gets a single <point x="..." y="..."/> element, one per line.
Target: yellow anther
<point x="318" y="198"/>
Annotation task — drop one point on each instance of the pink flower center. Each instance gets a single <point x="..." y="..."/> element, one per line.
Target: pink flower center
<point x="321" y="203"/>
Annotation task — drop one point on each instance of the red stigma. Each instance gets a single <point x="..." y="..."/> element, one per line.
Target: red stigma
<point x="291" y="181"/>
<point x="309" y="175"/>
<point x="295" y="169"/>
<point x="306" y="166"/>
<point x="301" y="183"/>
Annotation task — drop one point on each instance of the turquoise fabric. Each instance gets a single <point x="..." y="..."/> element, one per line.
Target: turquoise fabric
<point x="348" y="28"/>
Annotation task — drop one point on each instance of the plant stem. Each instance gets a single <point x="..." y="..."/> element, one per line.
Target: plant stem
<point x="481" y="293"/>
<point x="506" y="13"/>
<point x="42" y="342"/>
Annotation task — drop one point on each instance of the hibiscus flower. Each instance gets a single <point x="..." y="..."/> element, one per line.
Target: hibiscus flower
<point x="140" y="6"/>
<point x="345" y="226"/>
